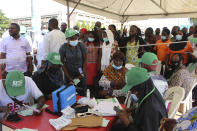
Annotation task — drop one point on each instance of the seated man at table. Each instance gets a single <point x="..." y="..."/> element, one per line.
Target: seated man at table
<point x="15" y="90"/>
<point x="149" y="61"/>
<point x="151" y="107"/>
<point x="50" y="77"/>
<point x="113" y="78"/>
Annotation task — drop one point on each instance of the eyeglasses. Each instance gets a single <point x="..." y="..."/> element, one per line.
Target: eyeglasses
<point x="84" y="114"/>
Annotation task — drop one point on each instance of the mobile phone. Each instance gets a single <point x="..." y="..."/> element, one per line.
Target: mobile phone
<point x="117" y="109"/>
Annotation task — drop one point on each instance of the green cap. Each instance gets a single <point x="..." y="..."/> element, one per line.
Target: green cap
<point x="54" y="58"/>
<point x="149" y="58"/>
<point x="70" y="32"/>
<point x="15" y="83"/>
<point x="193" y="40"/>
<point x="134" y="77"/>
<point x="23" y="29"/>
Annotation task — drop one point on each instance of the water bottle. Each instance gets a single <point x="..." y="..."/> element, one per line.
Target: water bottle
<point x="88" y="93"/>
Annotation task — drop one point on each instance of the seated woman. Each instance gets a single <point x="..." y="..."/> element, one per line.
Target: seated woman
<point x="150" y="109"/>
<point x="181" y="76"/>
<point x="50" y="77"/>
<point x="113" y="78"/>
<point x="180" y="47"/>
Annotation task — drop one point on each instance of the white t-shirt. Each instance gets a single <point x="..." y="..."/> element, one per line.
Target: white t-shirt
<point x="15" y="53"/>
<point x="31" y="89"/>
<point x="38" y="44"/>
<point x="52" y="42"/>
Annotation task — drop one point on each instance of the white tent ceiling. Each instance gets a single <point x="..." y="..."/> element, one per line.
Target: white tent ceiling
<point x="128" y="10"/>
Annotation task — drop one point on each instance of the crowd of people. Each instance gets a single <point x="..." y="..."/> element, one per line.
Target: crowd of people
<point x="99" y="60"/>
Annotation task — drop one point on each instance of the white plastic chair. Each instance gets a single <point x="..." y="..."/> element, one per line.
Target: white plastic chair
<point x="187" y="102"/>
<point x="129" y="66"/>
<point x="178" y="95"/>
<point x="158" y="67"/>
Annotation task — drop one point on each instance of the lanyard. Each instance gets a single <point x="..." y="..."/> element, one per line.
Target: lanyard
<point x="144" y="99"/>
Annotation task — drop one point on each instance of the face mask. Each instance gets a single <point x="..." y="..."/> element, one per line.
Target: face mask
<point x="105" y="39"/>
<point x="134" y="98"/>
<point x="163" y="38"/>
<point x="175" y="65"/>
<point x="73" y="43"/>
<point x="117" y="67"/>
<point x="90" y="39"/>
<point x="178" y="37"/>
<point x="53" y="70"/>
<point x="174" y="33"/>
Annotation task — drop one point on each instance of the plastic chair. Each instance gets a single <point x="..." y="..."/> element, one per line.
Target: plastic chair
<point x="179" y="94"/>
<point x="159" y="67"/>
<point x="129" y="66"/>
<point x="187" y="102"/>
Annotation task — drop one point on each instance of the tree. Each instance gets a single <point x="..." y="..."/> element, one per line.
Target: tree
<point x="4" y="23"/>
<point x="83" y="25"/>
<point x="79" y="24"/>
<point x="193" y="21"/>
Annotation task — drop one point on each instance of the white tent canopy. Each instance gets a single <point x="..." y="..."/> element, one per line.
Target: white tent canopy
<point x="127" y="10"/>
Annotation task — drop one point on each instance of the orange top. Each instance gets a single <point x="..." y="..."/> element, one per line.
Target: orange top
<point x="162" y="49"/>
<point x="188" y="48"/>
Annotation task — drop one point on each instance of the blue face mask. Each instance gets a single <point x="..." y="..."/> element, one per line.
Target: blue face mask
<point x="163" y="37"/>
<point x="117" y="67"/>
<point x="134" y="98"/>
<point x="90" y="39"/>
<point x="105" y="39"/>
<point x="73" y="43"/>
<point x="178" y="37"/>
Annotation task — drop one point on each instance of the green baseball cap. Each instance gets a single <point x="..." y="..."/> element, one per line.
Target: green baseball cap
<point x="134" y="77"/>
<point x="149" y="58"/>
<point x="15" y="83"/>
<point x="54" y="58"/>
<point x="70" y="32"/>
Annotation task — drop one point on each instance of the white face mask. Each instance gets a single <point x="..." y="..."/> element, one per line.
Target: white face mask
<point x="73" y="43"/>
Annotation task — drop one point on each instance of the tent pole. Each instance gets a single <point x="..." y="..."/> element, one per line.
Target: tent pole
<point x="68" y="14"/>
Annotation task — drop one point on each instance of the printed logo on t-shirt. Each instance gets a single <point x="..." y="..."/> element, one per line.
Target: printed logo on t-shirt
<point x="14" y="106"/>
<point x="17" y="83"/>
<point x="57" y="57"/>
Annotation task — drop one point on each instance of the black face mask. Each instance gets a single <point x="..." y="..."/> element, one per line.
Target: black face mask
<point x="175" y="64"/>
<point x="157" y="33"/>
<point x="174" y="33"/>
<point x="53" y="70"/>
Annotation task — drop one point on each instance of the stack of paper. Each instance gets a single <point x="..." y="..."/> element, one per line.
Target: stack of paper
<point x="106" y="106"/>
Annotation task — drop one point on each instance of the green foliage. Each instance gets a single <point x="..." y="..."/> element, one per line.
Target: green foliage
<point x="79" y="24"/>
<point x="83" y="25"/>
<point x="193" y="21"/>
<point x="4" y="23"/>
<point x="88" y="26"/>
<point x="92" y="26"/>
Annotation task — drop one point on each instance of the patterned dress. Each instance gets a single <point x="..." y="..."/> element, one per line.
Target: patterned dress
<point x="132" y="53"/>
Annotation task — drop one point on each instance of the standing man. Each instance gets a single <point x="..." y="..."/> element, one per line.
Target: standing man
<point x="161" y="47"/>
<point x="63" y="27"/>
<point x="53" y="40"/>
<point x="16" y="50"/>
<point x="174" y="32"/>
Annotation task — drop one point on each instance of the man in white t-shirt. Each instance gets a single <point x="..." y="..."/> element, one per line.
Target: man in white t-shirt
<point x="16" y="50"/>
<point x="54" y="39"/>
<point x="20" y="87"/>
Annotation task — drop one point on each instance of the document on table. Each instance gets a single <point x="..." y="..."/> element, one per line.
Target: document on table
<point x="105" y="106"/>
